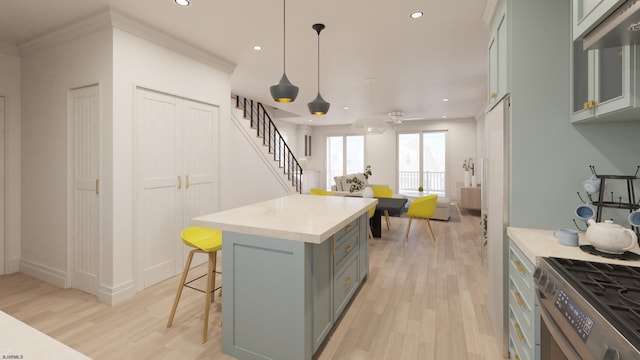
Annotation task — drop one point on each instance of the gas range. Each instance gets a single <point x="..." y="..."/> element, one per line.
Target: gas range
<point x="594" y="306"/>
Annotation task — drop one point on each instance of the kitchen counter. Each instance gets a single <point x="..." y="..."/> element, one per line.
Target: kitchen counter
<point x="305" y="218"/>
<point x="21" y="341"/>
<point x="536" y="243"/>
<point x="290" y="267"/>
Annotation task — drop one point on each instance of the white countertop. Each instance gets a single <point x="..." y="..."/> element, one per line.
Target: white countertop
<point x="20" y="341"/>
<point x="536" y="243"/>
<point x="305" y="218"/>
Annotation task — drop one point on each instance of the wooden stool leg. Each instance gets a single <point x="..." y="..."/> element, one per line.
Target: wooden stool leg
<point x="406" y="233"/>
<point x="386" y="216"/>
<point x="433" y="237"/>
<point x="180" y="286"/>
<point x="209" y="298"/>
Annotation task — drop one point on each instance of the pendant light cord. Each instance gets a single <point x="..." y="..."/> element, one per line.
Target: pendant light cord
<point x="318" y="62"/>
<point x="284" y="36"/>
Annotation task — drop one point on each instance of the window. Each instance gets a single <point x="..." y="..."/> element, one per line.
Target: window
<point x="345" y="155"/>
<point x="422" y="162"/>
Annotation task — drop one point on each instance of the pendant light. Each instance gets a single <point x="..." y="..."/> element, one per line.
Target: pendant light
<point x="284" y="91"/>
<point x="318" y="106"/>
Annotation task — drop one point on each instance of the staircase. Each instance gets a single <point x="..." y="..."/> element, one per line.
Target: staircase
<point x="268" y="136"/>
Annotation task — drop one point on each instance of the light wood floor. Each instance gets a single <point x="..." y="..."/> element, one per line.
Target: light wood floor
<point x="421" y="301"/>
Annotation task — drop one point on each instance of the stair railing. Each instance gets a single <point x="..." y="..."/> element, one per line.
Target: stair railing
<point x="261" y="121"/>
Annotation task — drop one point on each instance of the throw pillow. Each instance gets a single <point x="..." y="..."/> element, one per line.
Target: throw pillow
<point x="338" y="180"/>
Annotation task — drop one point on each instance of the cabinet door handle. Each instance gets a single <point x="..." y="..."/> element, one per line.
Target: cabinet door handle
<point x="519" y="299"/>
<point x="594" y="103"/>
<point x="186" y="187"/>
<point x="97" y="186"/>
<point x="519" y="332"/>
<point x="179" y="182"/>
<point x="519" y="266"/>
<point x="585" y="106"/>
<point x="348" y="249"/>
<point x="493" y="95"/>
<point x="347" y="228"/>
<point x="348" y="281"/>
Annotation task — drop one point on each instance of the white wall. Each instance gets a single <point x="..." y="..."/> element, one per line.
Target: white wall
<point x="381" y="150"/>
<point x="48" y="72"/>
<point x="118" y="61"/>
<point x="10" y="89"/>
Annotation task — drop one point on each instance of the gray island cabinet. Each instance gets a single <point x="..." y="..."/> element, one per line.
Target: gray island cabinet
<point x="290" y="267"/>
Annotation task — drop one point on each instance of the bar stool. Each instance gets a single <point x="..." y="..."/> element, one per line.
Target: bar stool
<point x="207" y="241"/>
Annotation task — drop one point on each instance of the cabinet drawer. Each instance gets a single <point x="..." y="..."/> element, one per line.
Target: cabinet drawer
<point x="521" y="269"/>
<point x="523" y="307"/>
<point x="522" y="342"/>
<point x="345" y="285"/>
<point x="516" y="353"/>
<point x="342" y="234"/>
<point x="344" y="250"/>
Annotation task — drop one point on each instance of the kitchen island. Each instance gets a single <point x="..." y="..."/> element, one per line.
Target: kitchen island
<point x="290" y="267"/>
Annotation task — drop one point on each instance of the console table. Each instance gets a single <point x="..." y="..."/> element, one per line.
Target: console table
<point x="470" y="198"/>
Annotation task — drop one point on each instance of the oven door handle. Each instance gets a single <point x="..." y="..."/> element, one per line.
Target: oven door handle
<point x="554" y="330"/>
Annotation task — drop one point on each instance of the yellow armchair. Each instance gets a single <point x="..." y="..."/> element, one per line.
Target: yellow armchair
<point x="422" y="208"/>
<point x="380" y="191"/>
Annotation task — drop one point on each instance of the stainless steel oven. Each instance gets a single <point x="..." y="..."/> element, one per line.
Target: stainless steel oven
<point x="588" y="310"/>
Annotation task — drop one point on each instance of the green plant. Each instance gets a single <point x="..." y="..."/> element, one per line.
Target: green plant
<point x="420" y="189"/>
<point x="367" y="172"/>
<point x="484" y="228"/>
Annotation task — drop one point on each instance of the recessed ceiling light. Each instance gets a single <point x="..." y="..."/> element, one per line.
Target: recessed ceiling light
<point x="416" y="14"/>
<point x="257" y="47"/>
<point x="444" y="116"/>
<point x="182" y="2"/>
<point x="445" y="100"/>
<point x="346" y="108"/>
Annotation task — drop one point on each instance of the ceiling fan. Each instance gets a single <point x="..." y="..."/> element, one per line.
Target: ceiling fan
<point x="397" y="117"/>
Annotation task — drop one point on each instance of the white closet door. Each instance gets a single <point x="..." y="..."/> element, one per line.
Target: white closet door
<point x="159" y="219"/>
<point x="2" y="198"/>
<point x="200" y="162"/>
<point x="85" y="233"/>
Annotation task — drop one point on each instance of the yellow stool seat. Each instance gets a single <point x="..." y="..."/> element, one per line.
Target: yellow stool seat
<point x="206" y="241"/>
<point x="202" y="238"/>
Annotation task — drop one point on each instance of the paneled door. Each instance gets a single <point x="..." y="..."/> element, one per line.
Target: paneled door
<point x="84" y="113"/>
<point x="2" y="198"/>
<point x="176" y="166"/>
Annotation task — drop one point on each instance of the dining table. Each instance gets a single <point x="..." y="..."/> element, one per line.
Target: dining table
<point x="390" y="204"/>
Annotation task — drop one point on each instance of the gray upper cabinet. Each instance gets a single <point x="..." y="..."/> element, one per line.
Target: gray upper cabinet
<point x="588" y="13"/>
<point x="497" y="50"/>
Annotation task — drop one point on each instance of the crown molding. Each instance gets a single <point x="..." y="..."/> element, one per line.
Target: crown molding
<point x="88" y="25"/>
<point x="160" y="38"/>
<point x="489" y="9"/>
<point x="8" y="49"/>
<point x="107" y="19"/>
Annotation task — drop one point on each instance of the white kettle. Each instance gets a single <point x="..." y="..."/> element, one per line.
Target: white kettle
<point x="609" y="237"/>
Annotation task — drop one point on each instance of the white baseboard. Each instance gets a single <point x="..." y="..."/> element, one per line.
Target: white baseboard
<point x="114" y="295"/>
<point x="43" y="272"/>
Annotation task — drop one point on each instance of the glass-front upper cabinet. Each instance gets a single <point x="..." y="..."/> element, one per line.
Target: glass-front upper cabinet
<point x="497" y="50"/>
<point x="587" y="13"/>
<point x="601" y="81"/>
